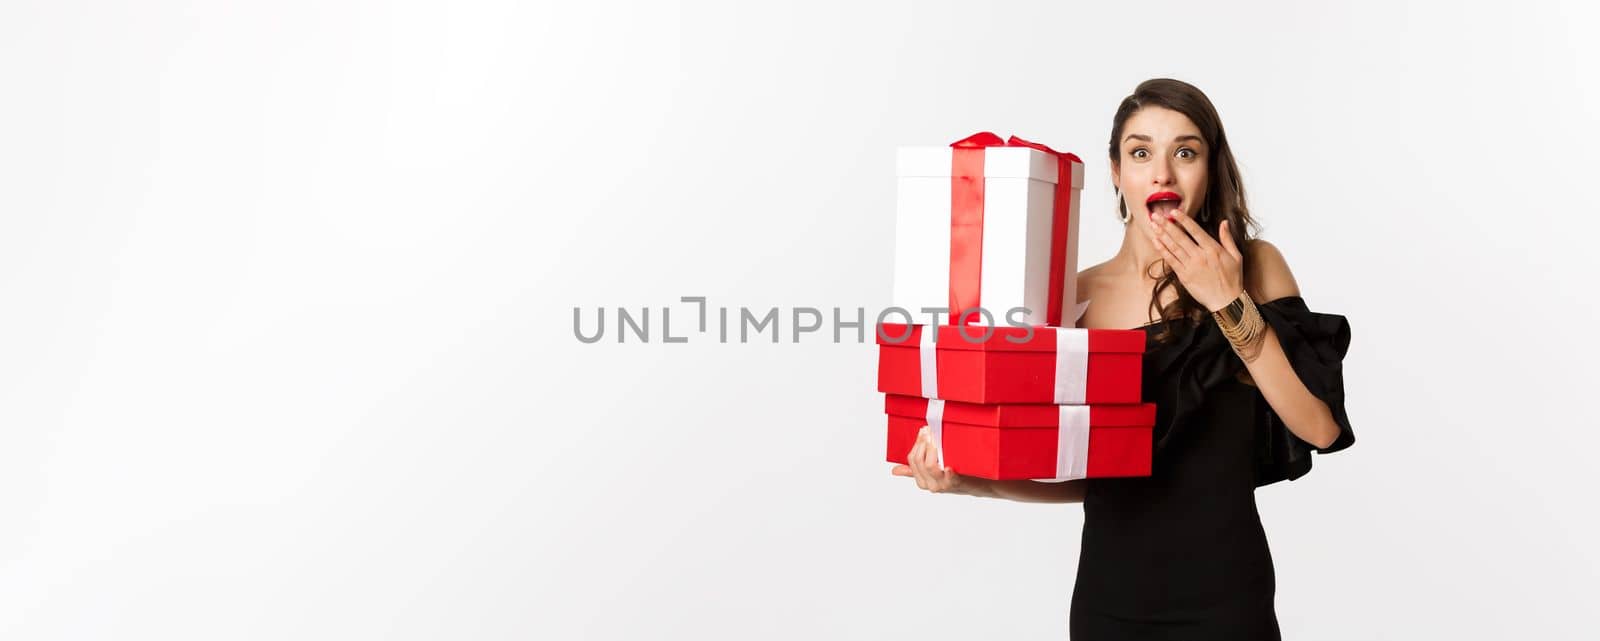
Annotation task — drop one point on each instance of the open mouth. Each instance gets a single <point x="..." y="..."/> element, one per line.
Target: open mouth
<point x="1162" y="203"/>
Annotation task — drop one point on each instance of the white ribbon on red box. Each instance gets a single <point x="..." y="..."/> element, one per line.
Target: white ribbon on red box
<point x="936" y="426"/>
<point x="1072" y="443"/>
<point x="1072" y="439"/>
<point x="930" y="363"/>
<point x="1072" y="364"/>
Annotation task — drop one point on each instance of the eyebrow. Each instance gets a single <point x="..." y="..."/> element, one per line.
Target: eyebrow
<point x="1178" y="139"/>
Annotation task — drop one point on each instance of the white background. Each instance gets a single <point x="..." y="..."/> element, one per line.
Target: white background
<point x="286" y="294"/>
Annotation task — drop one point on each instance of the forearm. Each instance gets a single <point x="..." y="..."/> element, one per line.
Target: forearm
<point x="1302" y="412"/>
<point x="1026" y="491"/>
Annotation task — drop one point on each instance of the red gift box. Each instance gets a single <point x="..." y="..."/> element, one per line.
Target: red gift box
<point x="1057" y="365"/>
<point x="1027" y="441"/>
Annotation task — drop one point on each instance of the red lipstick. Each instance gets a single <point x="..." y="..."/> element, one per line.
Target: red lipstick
<point x="1162" y="195"/>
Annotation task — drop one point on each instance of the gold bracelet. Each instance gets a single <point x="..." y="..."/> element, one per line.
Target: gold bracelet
<point x="1242" y="323"/>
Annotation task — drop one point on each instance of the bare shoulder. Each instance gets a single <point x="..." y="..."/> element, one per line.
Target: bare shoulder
<point x="1092" y="272"/>
<point x="1269" y="277"/>
<point x="1089" y="279"/>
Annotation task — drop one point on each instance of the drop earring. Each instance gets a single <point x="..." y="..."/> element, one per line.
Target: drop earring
<point x="1122" y="207"/>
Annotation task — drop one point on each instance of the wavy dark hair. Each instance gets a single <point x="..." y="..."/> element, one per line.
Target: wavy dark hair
<point x="1224" y="190"/>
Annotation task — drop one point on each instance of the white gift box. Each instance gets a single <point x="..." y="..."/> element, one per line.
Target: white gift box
<point x="1014" y="190"/>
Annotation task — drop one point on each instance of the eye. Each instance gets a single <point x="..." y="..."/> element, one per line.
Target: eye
<point x="1192" y="153"/>
<point x="1137" y="153"/>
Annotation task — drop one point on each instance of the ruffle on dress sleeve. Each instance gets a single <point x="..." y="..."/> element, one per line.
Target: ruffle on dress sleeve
<point x="1199" y="358"/>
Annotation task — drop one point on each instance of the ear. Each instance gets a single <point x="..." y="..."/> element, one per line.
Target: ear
<point x="1116" y="176"/>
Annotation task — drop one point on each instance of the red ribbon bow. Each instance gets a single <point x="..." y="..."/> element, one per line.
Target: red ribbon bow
<point x="966" y="224"/>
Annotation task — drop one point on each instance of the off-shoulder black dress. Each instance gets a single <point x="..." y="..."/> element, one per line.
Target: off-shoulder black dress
<point x="1181" y="554"/>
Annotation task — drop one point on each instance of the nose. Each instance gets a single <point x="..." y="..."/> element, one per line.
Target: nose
<point x="1163" y="174"/>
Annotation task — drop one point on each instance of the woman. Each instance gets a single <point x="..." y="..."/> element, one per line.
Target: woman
<point x="1246" y="380"/>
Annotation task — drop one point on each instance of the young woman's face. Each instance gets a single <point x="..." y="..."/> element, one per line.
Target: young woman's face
<point x="1161" y="164"/>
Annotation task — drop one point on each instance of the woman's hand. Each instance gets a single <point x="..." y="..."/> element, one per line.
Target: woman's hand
<point x="924" y="465"/>
<point x="1212" y="272"/>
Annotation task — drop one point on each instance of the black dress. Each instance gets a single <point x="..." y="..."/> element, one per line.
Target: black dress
<point x="1181" y="554"/>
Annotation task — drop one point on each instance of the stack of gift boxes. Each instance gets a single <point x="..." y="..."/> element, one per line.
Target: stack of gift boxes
<point x="1008" y="387"/>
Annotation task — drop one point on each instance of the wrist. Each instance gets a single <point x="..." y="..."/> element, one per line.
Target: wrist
<point x="1241" y="323"/>
<point x="974" y="486"/>
<point x="1230" y="304"/>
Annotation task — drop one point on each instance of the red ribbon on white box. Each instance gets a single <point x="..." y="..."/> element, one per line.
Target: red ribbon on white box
<point x="966" y="224"/>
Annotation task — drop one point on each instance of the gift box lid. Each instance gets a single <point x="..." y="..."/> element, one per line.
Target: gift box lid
<point x="998" y="162"/>
<point x="1021" y="414"/>
<point x="1006" y="338"/>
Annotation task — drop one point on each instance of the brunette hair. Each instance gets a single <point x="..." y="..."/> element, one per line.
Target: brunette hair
<point x="1224" y="191"/>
